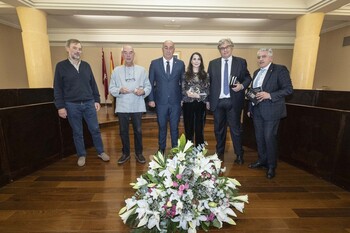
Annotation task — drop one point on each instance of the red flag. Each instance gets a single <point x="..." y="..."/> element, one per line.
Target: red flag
<point x="111" y="64"/>
<point x="121" y="57"/>
<point x="104" y="75"/>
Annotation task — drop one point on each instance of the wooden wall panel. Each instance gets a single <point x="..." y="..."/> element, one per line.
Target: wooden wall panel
<point x="315" y="134"/>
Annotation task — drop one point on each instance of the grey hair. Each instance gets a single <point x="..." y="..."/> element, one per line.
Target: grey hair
<point x="225" y="40"/>
<point x="268" y="50"/>
<point x="72" y="41"/>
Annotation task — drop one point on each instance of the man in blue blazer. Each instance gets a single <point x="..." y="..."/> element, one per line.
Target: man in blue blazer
<point x="226" y="101"/>
<point x="276" y="84"/>
<point x="165" y="75"/>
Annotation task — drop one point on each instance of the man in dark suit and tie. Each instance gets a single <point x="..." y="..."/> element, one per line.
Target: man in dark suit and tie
<point x="165" y="75"/>
<point x="276" y="84"/>
<point x="226" y="101"/>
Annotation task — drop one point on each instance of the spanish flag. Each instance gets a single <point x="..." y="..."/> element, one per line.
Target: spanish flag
<point x="111" y="64"/>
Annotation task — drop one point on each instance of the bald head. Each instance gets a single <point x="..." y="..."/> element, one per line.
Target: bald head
<point x="128" y="55"/>
<point x="168" y="49"/>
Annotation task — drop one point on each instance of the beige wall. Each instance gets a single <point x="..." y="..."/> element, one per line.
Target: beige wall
<point x="143" y="57"/>
<point x="13" y="73"/>
<point x="332" y="69"/>
<point x="333" y="62"/>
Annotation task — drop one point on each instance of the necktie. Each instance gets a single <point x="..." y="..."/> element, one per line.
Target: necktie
<point x="259" y="78"/>
<point x="226" y="87"/>
<point x="168" y="68"/>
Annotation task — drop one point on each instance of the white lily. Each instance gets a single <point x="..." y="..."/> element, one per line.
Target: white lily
<point x="168" y="182"/>
<point x="130" y="202"/>
<point x="238" y="205"/>
<point x="243" y="198"/>
<point x="230" y="184"/>
<point x="179" y="207"/>
<point x="188" y="145"/>
<point x="200" y="155"/>
<point x="222" y="214"/>
<point x="154" y="221"/>
<point x="181" y="168"/>
<point x="141" y="182"/>
<point x="159" y="158"/>
<point x="181" y="156"/>
<point x="125" y="215"/>
<point x="142" y="208"/>
<point x="217" y="164"/>
<point x="192" y="228"/>
<point x="234" y="181"/>
<point x="172" y="164"/>
<point x="154" y="165"/>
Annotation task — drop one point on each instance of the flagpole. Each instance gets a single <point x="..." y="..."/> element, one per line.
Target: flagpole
<point x="104" y="79"/>
<point x="111" y="68"/>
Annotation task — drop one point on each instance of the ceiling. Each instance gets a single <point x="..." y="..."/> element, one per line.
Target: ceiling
<point x="247" y="22"/>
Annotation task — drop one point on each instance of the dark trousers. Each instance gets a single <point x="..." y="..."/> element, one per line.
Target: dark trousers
<point x="165" y="113"/>
<point x="136" y="119"/>
<point x="225" y="114"/>
<point x="266" y="139"/>
<point x="194" y="115"/>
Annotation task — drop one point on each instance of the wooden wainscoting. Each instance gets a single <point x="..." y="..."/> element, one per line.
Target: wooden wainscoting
<point x="65" y="198"/>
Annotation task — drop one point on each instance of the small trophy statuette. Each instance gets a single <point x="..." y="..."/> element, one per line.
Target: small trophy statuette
<point x="233" y="81"/>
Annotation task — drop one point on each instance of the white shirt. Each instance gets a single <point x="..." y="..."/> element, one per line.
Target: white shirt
<point x="223" y="61"/>
<point x="259" y="79"/>
<point x="170" y="63"/>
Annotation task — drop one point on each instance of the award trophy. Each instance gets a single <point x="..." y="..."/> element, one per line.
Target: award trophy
<point x="251" y="94"/>
<point x="233" y="81"/>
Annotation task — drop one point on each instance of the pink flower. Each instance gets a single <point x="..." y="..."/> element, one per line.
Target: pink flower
<point x="187" y="186"/>
<point x="211" y="217"/>
<point x="182" y="187"/>
<point x="179" y="176"/>
<point x="175" y="184"/>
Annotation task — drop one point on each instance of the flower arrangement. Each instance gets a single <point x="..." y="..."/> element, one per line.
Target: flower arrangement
<point x="183" y="192"/>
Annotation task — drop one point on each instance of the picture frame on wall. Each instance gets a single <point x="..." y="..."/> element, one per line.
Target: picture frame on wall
<point x="177" y="55"/>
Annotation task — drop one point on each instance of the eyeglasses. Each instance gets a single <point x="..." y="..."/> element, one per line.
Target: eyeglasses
<point x="263" y="57"/>
<point x="130" y="79"/>
<point x="224" y="48"/>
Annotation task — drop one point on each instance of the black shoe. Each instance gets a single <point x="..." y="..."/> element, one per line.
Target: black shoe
<point x="220" y="156"/>
<point x="270" y="173"/>
<point x="140" y="158"/>
<point x="257" y="165"/>
<point x="123" y="159"/>
<point x="239" y="160"/>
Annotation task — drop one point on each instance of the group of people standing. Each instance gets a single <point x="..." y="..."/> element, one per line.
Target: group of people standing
<point x="172" y="90"/>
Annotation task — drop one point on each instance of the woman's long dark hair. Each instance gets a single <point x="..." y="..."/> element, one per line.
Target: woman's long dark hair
<point x="202" y="75"/>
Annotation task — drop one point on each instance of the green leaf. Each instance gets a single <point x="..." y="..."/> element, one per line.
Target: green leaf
<point x="205" y="226"/>
<point x="182" y="142"/>
<point x="216" y="223"/>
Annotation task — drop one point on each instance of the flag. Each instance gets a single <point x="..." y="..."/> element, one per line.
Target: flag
<point x="111" y="65"/>
<point x="121" y="57"/>
<point x="104" y="75"/>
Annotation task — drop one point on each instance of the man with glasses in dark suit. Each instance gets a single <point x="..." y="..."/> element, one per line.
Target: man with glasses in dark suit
<point x="229" y="78"/>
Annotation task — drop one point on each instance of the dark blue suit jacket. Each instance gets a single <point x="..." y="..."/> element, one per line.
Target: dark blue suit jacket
<point x="166" y="90"/>
<point x="277" y="82"/>
<point x="238" y="69"/>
